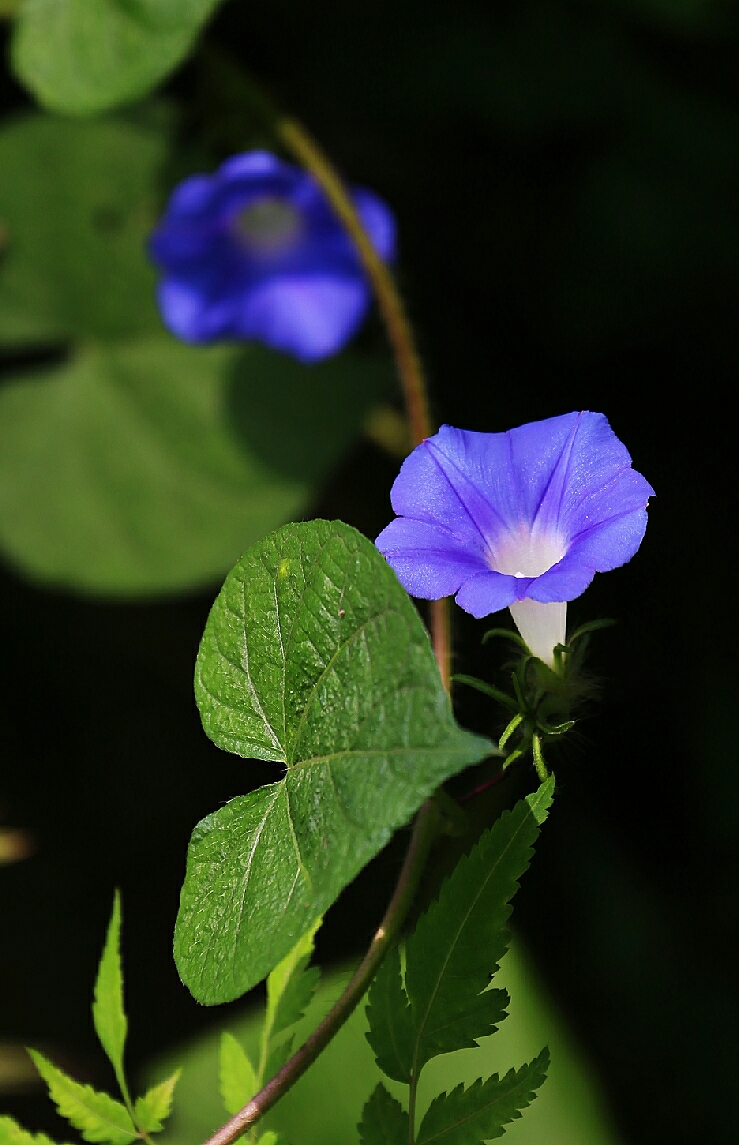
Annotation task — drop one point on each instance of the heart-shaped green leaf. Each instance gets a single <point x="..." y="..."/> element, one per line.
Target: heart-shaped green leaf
<point x="82" y="56"/>
<point x="314" y="657"/>
<point x="128" y="471"/>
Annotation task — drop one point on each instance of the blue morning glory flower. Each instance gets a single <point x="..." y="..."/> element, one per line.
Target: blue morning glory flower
<point x="522" y="519"/>
<point x="256" y="252"/>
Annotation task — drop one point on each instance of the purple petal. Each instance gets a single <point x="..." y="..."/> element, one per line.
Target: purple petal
<point x="485" y="484"/>
<point x="428" y="561"/>
<point x="612" y="543"/>
<point x="593" y="479"/>
<point x="188" y="315"/>
<point x="489" y="592"/>
<point x="431" y="488"/>
<point x="310" y="316"/>
<point x="602" y="548"/>
<point x="378" y="220"/>
<point x="563" y="581"/>
<point x="253" y="165"/>
<point x="627" y="492"/>
<point x="191" y="196"/>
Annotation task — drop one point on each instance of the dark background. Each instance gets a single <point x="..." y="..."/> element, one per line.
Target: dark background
<point x="565" y="177"/>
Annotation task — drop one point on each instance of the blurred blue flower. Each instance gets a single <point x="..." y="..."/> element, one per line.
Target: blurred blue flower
<point x="522" y="519"/>
<point x="256" y="252"/>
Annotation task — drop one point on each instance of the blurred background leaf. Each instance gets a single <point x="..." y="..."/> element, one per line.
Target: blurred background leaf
<point x="75" y="215"/>
<point x="120" y="471"/>
<point x="82" y="56"/>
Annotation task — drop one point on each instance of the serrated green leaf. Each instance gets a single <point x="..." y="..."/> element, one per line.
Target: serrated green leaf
<point x="313" y="656"/>
<point x="82" y="56"/>
<point x="290" y="987"/>
<point x="152" y="1109"/>
<point x="121" y="472"/>
<point x="384" y="1121"/>
<point x="391" y="1020"/>
<point x="11" y="1133"/>
<point x="237" y="1077"/>
<point x="108" y="1013"/>
<point x="97" y="1116"/>
<point x="76" y="215"/>
<point x="458" y="943"/>
<point x="481" y="1112"/>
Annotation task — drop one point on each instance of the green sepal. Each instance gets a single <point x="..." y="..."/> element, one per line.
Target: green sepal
<point x="98" y="1117"/>
<point x="505" y="634"/>
<point x="384" y="1121"/>
<point x="591" y="626"/>
<point x="153" y="1108"/>
<point x="482" y="1111"/>
<point x="486" y="689"/>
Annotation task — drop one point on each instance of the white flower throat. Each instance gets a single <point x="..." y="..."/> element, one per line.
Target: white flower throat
<point x="267" y="226"/>
<point x="529" y="553"/>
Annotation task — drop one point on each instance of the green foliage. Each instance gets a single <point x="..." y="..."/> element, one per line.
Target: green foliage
<point x="98" y="1117"/>
<point x="290" y="988"/>
<point x="153" y="1108"/>
<point x="392" y="1028"/>
<point x="11" y="1133"/>
<point x="445" y="1002"/>
<point x="459" y="942"/>
<point x="314" y="657"/>
<point x="481" y="1112"/>
<point x="139" y="465"/>
<point x="76" y="213"/>
<point x="82" y="56"/>
<point x="120" y="471"/>
<point x="108" y="1013"/>
<point x="384" y="1121"/>
<point x="237" y="1077"/>
<point x="569" y="1109"/>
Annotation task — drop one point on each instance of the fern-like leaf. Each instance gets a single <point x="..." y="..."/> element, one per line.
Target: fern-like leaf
<point x="391" y="1021"/>
<point x="384" y="1121"/>
<point x="97" y="1116"/>
<point x="238" y="1080"/>
<point x="108" y="1013"/>
<point x="11" y="1133"/>
<point x="290" y="987"/>
<point x="152" y="1110"/>
<point x="481" y="1112"/>
<point x="459" y="942"/>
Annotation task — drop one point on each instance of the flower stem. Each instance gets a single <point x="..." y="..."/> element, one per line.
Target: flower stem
<point x="306" y="150"/>
<point x="429" y="823"/>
